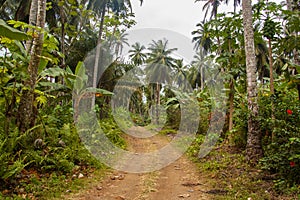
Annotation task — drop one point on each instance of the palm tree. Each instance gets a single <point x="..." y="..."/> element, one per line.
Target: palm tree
<point x="180" y="74"/>
<point x="211" y="3"/>
<point x="215" y="5"/>
<point x="137" y="55"/>
<point x="101" y="7"/>
<point x="196" y="74"/>
<point x="160" y="60"/>
<point x="236" y="3"/>
<point x="202" y="37"/>
<point x="262" y="58"/>
<point x="27" y="109"/>
<point x="159" y="66"/>
<point x="119" y="39"/>
<point x="253" y="149"/>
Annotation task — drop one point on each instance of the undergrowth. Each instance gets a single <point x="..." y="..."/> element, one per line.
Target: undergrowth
<point x="230" y="177"/>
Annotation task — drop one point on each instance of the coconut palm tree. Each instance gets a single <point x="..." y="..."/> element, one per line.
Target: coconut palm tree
<point x="119" y="40"/>
<point x="137" y="55"/>
<point x="214" y="5"/>
<point x="253" y="147"/>
<point x="202" y="37"/>
<point x="160" y="60"/>
<point x="180" y="74"/>
<point x="159" y="66"/>
<point x="101" y="7"/>
<point x="196" y="73"/>
<point x="236" y="3"/>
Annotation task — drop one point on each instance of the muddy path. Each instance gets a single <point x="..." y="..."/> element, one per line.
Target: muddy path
<point x="179" y="180"/>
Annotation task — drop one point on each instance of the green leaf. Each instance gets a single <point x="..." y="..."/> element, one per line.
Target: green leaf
<point x="43" y="64"/>
<point x="80" y="69"/>
<point x="53" y="72"/>
<point x="53" y="86"/>
<point x="11" y="33"/>
<point x="285" y="67"/>
<point x="97" y="90"/>
<point x="41" y="100"/>
<point x="81" y="77"/>
<point x="172" y="100"/>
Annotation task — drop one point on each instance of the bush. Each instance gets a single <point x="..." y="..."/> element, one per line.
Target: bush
<point x="282" y="139"/>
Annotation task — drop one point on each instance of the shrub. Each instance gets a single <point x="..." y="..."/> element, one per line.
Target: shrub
<point x="282" y="139"/>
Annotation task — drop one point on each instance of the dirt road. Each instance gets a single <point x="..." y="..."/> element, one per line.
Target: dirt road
<point x="179" y="180"/>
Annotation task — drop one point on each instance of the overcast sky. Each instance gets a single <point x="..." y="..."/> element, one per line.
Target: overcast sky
<point x="176" y="15"/>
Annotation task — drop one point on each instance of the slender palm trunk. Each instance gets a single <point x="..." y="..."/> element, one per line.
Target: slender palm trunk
<point x="98" y="53"/>
<point x="63" y="33"/>
<point x="253" y="148"/>
<point x="231" y="104"/>
<point x="32" y="21"/>
<point x="27" y="109"/>
<point x="157" y="102"/>
<point x="272" y="90"/>
<point x="231" y="94"/>
<point x="271" y="67"/>
<point x="202" y="77"/>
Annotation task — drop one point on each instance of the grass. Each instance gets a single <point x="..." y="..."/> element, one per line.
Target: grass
<point x="148" y="184"/>
<point x="76" y="185"/>
<point x="52" y="185"/>
<point x="232" y="178"/>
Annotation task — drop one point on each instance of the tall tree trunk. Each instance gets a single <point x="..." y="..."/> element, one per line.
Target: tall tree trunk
<point x="32" y="21"/>
<point x="231" y="93"/>
<point x="157" y="102"/>
<point x="63" y="33"/>
<point x="98" y="53"/>
<point x="271" y="67"/>
<point x="202" y="77"/>
<point x="253" y="149"/>
<point x="231" y="104"/>
<point x="272" y="90"/>
<point x="27" y="109"/>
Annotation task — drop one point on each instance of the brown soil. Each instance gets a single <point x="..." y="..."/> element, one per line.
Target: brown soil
<point x="179" y="180"/>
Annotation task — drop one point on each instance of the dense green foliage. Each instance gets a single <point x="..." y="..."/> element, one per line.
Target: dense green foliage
<point x="52" y="145"/>
<point x="282" y="150"/>
<point x="222" y="37"/>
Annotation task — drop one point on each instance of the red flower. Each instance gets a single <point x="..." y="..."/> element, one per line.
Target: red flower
<point x="289" y="112"/>
<point x="292" y="164"/>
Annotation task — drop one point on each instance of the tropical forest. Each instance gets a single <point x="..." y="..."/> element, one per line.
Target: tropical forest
<point x="92" y="107"/>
